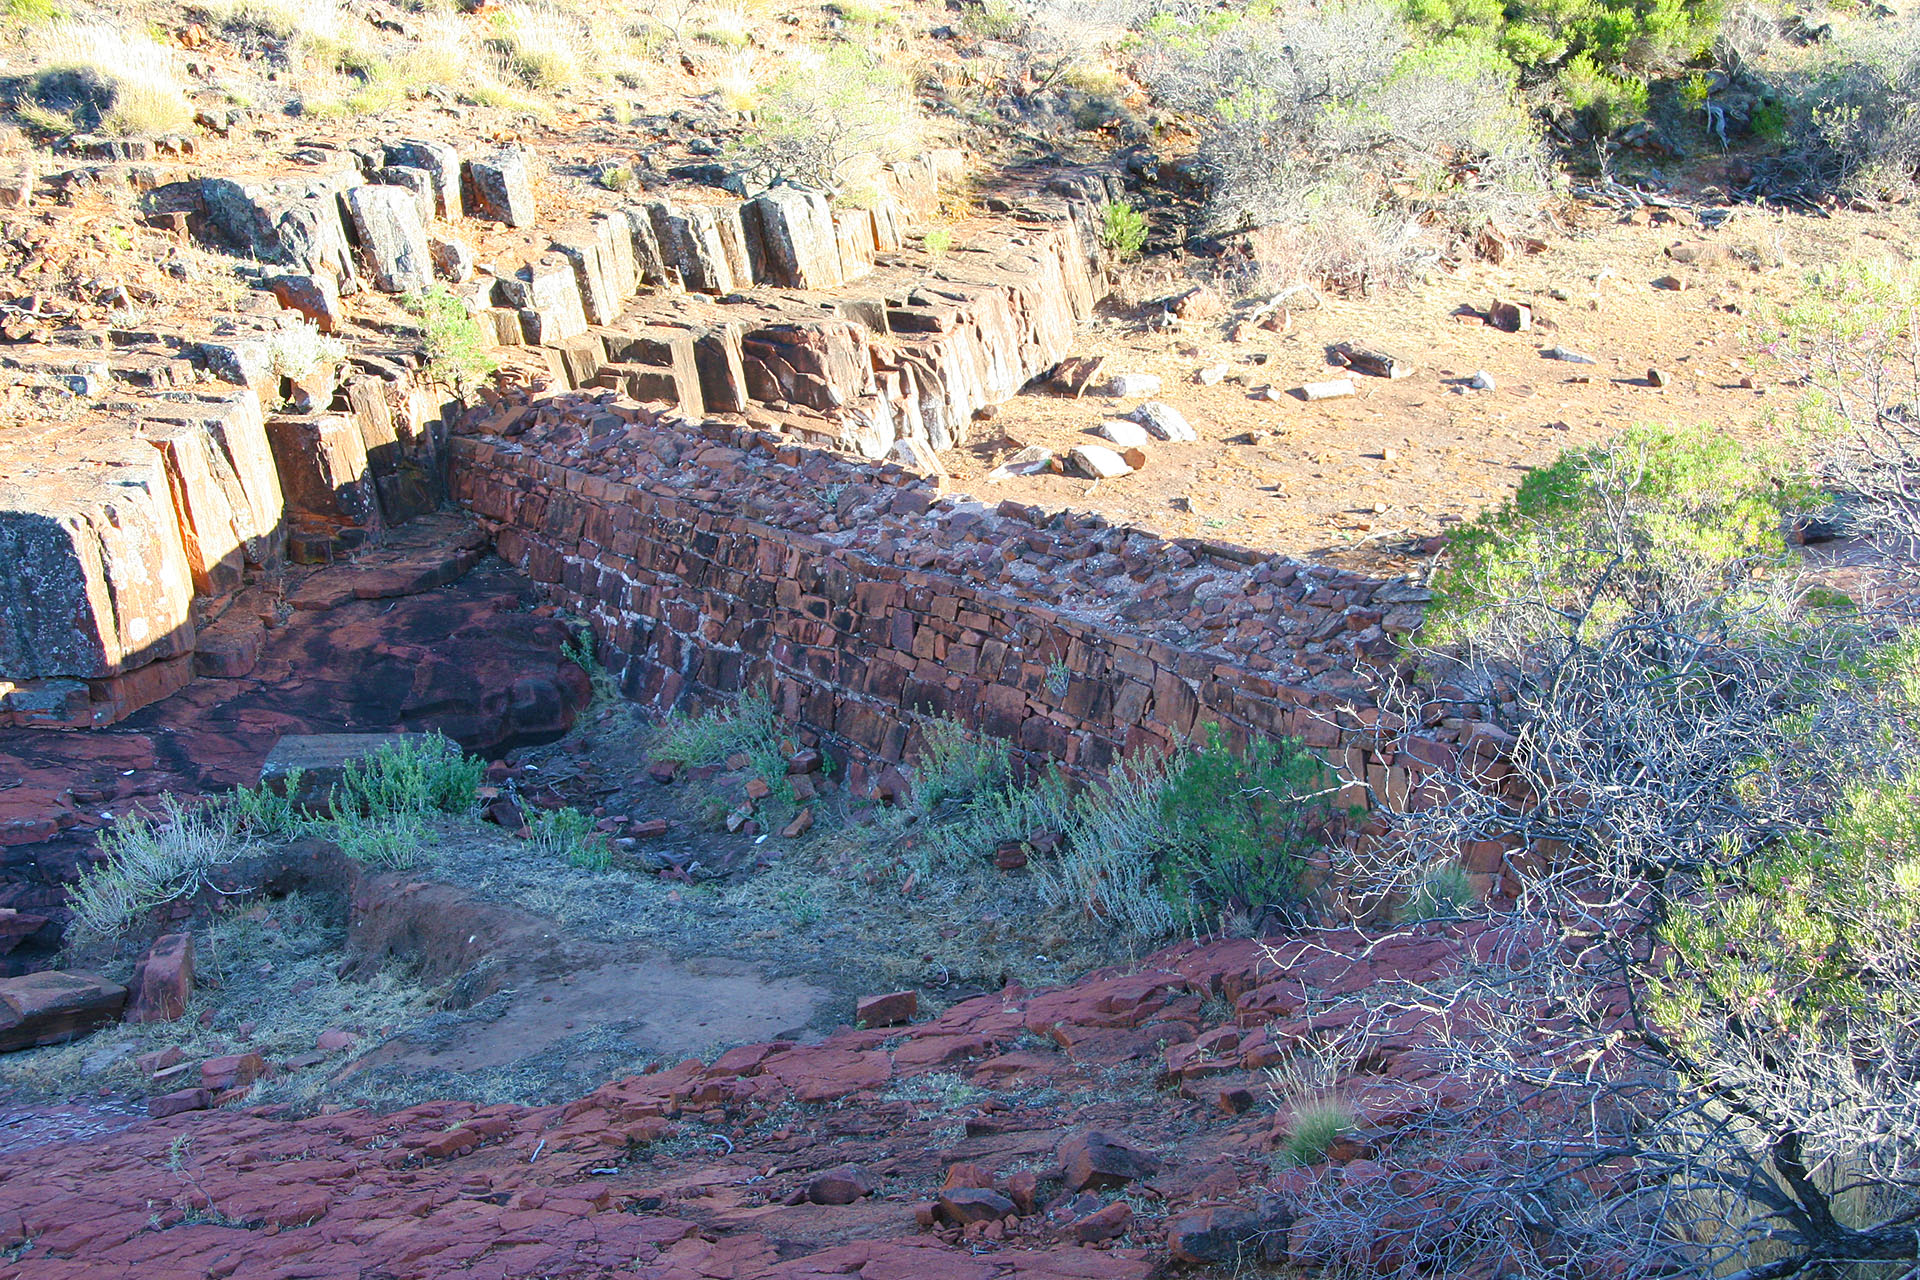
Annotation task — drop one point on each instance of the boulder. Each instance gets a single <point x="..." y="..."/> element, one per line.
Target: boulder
<point x="1095" y="1159"/>
<point x="890" y="1010"/>
<point x="964" y="1205"/>
<point x="1164" y="421"/>
<point x="452" y="259"/>
<point x="162" y="981"/>
<point x="440" y="162"/>
<point x="314" y="296"/>
<point x="547" y="294"/>
<point x="1125" y="386"/>
<point x="1106" y="1223"/>
<point x="791" y="240"/>
<point x="843" y="1185"/>
<point x="52" y="1007"/>
<point x="392" y="238"/>
<point x="231" y="1071"/>
<point x="498" y="188"/>
<point x="1225" y="1234"/>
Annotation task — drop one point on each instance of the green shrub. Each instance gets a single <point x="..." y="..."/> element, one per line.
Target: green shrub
<point x="1123" y="230"/>
<point x="956" y="768"/>
<point x="1162" y="841"/>
<point x="148" y="861"/>
<point x="938" y="241"/>
<point x="1241" y="823"/>
<point x="458" y="350"/>
<point x="1540" y="35"/>
<point x="1441" y="893"/>
<point x="416" y="774"/>
<point x="568" y="833"/>
<point x="1313" y="1130"/>
<point x="268" y="812"/>
<point x="1769" y="121"/>
<point x="1658" y="517"/>
<point x="1604" y="102"/>
<point x="999" y="20"/>
<point x="32" y="10"/>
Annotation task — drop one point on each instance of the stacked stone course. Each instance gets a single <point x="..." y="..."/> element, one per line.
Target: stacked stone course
<point x="710" y="559"/>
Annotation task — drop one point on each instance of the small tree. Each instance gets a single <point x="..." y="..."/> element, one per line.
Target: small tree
<point x="1854" y="340"/>
<point x="815" y="124"/>
<point x="1691" y="1050"/>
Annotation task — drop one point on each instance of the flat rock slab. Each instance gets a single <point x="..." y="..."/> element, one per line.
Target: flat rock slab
<point x="52" y="1007"/>
<point x="321" y="760"/>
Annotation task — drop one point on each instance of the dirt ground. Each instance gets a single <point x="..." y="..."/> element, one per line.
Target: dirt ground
<point x="1356" y="480"/>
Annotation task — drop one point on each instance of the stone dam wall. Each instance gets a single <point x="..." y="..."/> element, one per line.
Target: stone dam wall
<point x="714" y="558"/>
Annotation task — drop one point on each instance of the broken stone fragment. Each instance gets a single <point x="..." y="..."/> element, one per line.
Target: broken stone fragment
<point x="1212" y="375"/>
<point x="51" y="1007"/>
<point x="1514" y="317"/>
<point x="964" y="1205"/>
<point x="1225" y="1234"/>
<point x="1127" y="386"/>
<point x="162" y="981"/>
<point x="314" y="296"/>
<point x="1128" y="435"/>
<point x="1333" y="389"/>
<point x="1106" y="1223"/>
<point x="1376" y="363"/>
<point x="1481" y="381"/>
<point x="452" y="259"/>
<point x="1096" y="462"/>
<point x="1026" y="462"/>
<point x="1164" y="421"/>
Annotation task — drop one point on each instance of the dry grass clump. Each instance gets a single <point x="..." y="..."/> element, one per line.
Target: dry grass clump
<point x="100" y="76"/>
<point x="274" y="965"/>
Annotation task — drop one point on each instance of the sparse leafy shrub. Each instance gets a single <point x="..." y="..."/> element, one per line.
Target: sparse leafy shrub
<point x="268" y="813"/>
<point x="148" y="861"/>
<point x="748" y="727"/>
<point x="814" y="123"/>
<point x="31" y="10"/>
<point x="300" y="348"/>
<point x="938" y="241"/>
<point x="458" y="351"/>
<point x="1160" y="842"/>
<point x="568" y="833"/>
<point x="1336" y="113"/>
<point x="1123" y="230"/>
<point x="956" y="768"/>
<point x="1852" y="338"/>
